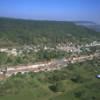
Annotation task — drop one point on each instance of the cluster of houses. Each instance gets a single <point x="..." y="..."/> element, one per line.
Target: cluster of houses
<point x="94" y="43"/>
<point x="76" y="48"/>
<point x="69" y="47"/>
<point x="12" y="51"/>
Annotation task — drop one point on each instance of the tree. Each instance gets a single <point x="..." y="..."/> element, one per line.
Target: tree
<point x="57" y="87"/>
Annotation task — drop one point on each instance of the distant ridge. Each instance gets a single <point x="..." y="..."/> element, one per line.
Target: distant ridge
<point x="89" y="24"/>
<point x="85" y="23"/>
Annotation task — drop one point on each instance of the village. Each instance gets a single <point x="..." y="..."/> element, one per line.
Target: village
<point x="69" y="47"/>
<point x="54" y="64"/>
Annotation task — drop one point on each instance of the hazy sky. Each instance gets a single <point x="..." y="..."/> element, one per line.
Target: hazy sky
<point x="52" y="9"/>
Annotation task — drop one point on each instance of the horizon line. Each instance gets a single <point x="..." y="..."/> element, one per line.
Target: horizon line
<point x="33" y="19"/>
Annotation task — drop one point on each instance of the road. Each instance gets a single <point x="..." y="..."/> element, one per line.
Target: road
<point x="48" y="66"/>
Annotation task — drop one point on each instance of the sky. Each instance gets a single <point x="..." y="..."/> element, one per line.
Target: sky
<point x="63" y="10"/>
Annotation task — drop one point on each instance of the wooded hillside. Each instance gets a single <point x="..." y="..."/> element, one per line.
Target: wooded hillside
<point x="18" y="32"/>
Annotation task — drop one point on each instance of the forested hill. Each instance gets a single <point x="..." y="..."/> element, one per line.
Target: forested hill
<point x="18" y="32"/>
